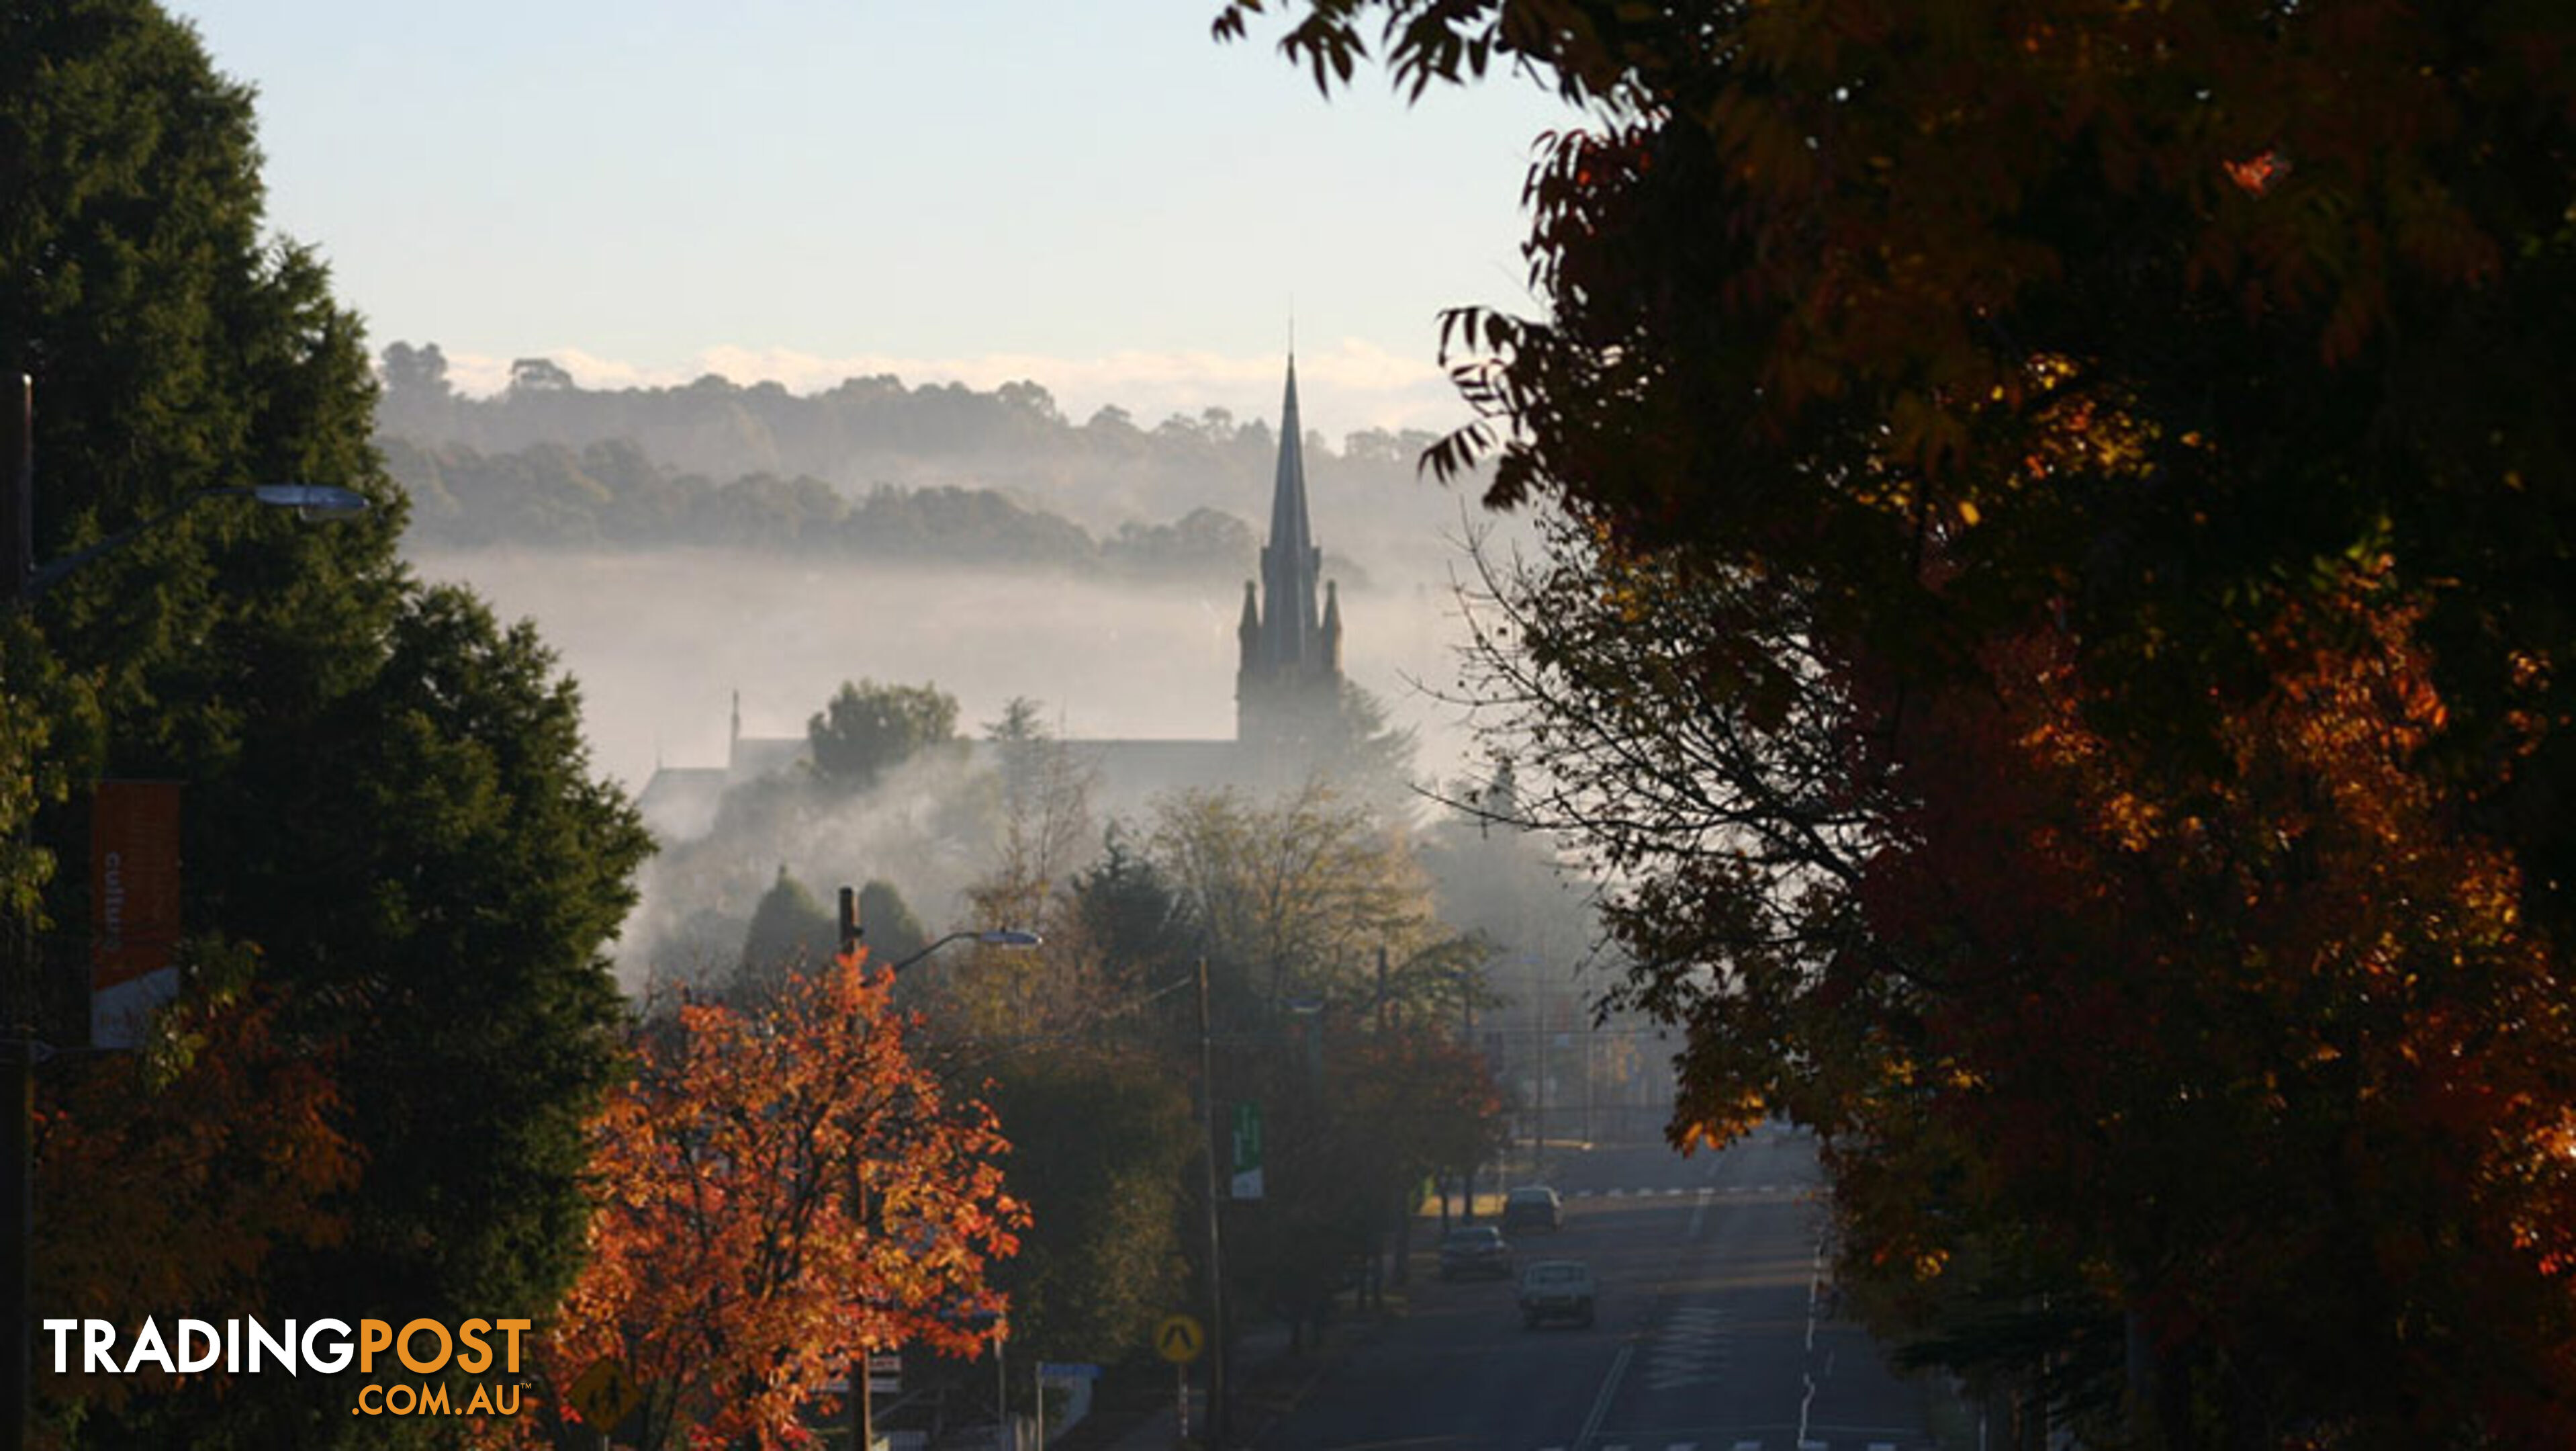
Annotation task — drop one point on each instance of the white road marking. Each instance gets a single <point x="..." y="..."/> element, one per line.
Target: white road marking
<point x="1748" y="1446"/>
<point x="1601" y="1402"/>
<point x="1807" y="1402"/>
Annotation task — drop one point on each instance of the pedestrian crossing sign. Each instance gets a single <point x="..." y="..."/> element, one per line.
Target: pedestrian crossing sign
<point x="604" y="1394"/>
<point x="1179" y="1339"/>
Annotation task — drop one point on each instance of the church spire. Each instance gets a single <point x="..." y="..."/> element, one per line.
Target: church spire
<point x="1291" y="675"/>
<point x="1291" y="565"/>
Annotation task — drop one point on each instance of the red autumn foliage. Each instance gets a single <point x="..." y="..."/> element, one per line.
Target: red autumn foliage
<point x="166" y="1177"/>
<point x="780" y="1190"/>
<point x="2261" y="1041"/>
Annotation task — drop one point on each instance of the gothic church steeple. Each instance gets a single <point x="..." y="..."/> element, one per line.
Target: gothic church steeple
<point x="1289" y="685"/>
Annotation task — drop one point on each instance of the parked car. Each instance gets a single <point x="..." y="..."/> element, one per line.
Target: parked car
<point x="1533" y="1206"/>
<point x="1557" y="1290"/>
<point x="1475" y="1250"/>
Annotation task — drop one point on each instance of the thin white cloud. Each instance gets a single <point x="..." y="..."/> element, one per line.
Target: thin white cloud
<point x="1351" y="385"/>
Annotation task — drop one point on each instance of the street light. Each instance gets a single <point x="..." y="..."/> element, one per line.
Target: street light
<point x="863" y="1396"/>
<point x="21" y="582"/>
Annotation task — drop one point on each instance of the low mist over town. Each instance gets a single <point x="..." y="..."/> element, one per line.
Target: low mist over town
<point x="1337" y="725"/>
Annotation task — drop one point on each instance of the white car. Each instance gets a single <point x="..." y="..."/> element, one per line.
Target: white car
<point x="1557" y="1290"/>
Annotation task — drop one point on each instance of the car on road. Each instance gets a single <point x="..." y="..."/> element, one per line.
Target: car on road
<point x="1533" y="1206"/>
<point x="1557" y="1290"/>
<point x="1475" y="1250"/>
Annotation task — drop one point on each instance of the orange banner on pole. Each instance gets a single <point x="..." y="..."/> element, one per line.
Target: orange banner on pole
<point x="134" y="906"/>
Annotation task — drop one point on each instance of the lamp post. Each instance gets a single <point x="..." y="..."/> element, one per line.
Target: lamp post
<point x="22" y="583"/>
<point x="862" y="1395"/>
<point x="1217" y="1404"/>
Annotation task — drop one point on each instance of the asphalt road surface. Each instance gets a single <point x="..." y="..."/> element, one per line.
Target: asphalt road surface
<point x="1714" y="1331"/>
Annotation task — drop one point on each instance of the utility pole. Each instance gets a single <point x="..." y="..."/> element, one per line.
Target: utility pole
<point x="1590" y="1032"/>
<point x="22" y="1006"/>
<point x="863" y="1417"/>
<point x="18" y="513"/>
<point x="1216" y="1417"/>
<point x="1538" y="1074"/>
<point x="1382" y="1005"/>
<point x="19" y="1114"/>
<point x="1467" y="1041"/>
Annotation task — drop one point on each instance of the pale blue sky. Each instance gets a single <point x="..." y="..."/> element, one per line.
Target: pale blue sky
<point x="1088" y="192"/>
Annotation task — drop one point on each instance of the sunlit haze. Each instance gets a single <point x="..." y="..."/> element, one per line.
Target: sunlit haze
<point x="1098" y="197"/>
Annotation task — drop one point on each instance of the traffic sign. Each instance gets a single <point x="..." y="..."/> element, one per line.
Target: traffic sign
<point x="1246" y="1183"/>
<point x="1179" y="1339"/>
<point x="604" y="1394"/>
<point x="1067" y="1370"/>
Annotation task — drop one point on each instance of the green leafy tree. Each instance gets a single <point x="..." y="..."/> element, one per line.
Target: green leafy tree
<point x="388" y="793"/>
<point x="418" y="400"/>
<point x="1100" y="1141"/>
<point x="1292" y="901"/>
<point x="1296" y="896"/>
<point x="1129" y="913"/>
<point x="869" y="729"/>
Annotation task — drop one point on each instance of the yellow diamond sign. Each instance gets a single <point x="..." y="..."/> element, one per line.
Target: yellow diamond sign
<point x="1179" y="1339"/>
<point x="604" y="1394"/>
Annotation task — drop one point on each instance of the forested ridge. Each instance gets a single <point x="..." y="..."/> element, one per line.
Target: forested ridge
<point x="610" y="495"/>
<point x="868" y="469"/>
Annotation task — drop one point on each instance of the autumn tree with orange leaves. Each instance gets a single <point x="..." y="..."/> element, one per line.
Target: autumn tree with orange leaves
<point x="2129" y="313"/>
<point x="2059" y="629"/>
<point x="2260" y="1055"/>
<point x="169" y="1179"/>
<point x="779" y="1190"/>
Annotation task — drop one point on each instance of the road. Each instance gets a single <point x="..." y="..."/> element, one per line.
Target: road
<point x="1714" y="1331"/>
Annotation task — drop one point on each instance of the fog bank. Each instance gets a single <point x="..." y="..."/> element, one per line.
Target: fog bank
<point x="660" y="641"/>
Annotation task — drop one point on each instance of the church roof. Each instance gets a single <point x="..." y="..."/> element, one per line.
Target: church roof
<point x="679" y="802"/>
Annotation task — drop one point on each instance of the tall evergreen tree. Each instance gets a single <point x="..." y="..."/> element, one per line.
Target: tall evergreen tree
<point x="387" y="791"/>
<point x="790" y="936"/>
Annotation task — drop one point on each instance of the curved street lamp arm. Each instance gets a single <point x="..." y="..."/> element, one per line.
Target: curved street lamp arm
<point x="46" y="576"/>
<point x="925" y="952"/>
<point x="1004" y="937"/>
<point x="309" y="499"/>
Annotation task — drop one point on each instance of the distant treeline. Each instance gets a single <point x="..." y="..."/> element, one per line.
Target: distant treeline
<point x="867" y="431"/>
<point x="610" y="495"/>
